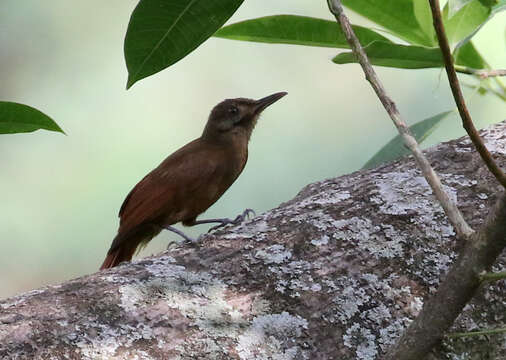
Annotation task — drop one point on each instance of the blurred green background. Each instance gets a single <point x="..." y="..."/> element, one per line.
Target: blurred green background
<point x="61" y="194"/>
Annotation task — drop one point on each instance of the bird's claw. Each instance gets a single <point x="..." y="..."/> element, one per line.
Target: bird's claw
<point x="238" y="219"/>
<point x="246" y="214"/>
<point x="198" y="240"/>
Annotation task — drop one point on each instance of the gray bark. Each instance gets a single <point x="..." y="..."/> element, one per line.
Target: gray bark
<point x="336" y="273"/>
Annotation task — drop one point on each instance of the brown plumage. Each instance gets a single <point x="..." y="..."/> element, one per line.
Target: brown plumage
<point x="190" y="180"/>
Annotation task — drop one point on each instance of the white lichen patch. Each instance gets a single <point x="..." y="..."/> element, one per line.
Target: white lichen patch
<point x="325" y="194"/>
<point x="317" y="218"/>
<point x="458" y="179"/>
<point x="495" y="139"/>
<point x="387" y="246"/>
<point x="348" y="301"/>
<point x="21" y="298"/>
<point x="482" y="196"/>
<point x="388" y="335"/>
<point x="272" y="336"/>
<point x="324" y="240"/>
<point x="407" y="193"/>
<point x="330" y="197"/>
<point x="256" y="228"/>
<point x="197" y="296"/>
<point x="434" y="265"/>
<point x="363" y="306"/>
<point x="362" y="341"/>
<point x="415" y="306"/>
<point x="378" y="315"/>
<point x="275" y="254"/>
<point x="380" y="241"/>
<point x="294" y="277"/>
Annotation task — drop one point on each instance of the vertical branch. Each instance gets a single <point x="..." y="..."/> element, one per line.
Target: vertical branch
<point x="462" y="229"/>
<point x="456" y="290"/>
<point x="467" y="122"/>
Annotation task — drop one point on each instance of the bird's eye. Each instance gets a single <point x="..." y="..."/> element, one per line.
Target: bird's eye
<point x="233" y="110"/>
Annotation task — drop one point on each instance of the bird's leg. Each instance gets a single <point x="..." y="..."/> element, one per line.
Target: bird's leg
<point x="225" y="221"/>
<point x="222" y="222"/>
<point x="182" y="234"/>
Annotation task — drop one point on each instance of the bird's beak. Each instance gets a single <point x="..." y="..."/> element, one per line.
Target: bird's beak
<point x="261" y="104"/>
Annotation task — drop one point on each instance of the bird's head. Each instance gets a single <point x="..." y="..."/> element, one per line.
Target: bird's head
<point x="233" y="117"/>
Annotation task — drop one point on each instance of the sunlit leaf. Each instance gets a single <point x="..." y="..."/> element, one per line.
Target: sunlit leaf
<point x="398" y="16"/>
<point x="466" y="21"/>
<point x="455" y="5"/>
<point x="395" y="148"/>
<point x="19" y="118"/>
<point x="162" y="32"/>
<point x="395" y="55"/>
<point x="423" y="15"/>
<point x="298" y="30"/>
<point x="467" y="55"/>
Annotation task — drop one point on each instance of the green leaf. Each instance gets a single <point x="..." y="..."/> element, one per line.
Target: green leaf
<point x="398" y="16"/>
<point x="489" y="3"/>
<point x="298" y="30"/>
<point x="467" y="55"/>
<point x="19" y="118"/>
<point x="395" y="148"/>
<point x="162" y="32"/>
<point x="395" y="55"/>
<point x="466" y="21"/>
<point x="455" y="5"/>
<point x="423" y="15"/>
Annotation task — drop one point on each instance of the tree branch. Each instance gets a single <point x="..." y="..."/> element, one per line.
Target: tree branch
<point x="481" y="73"/>
<point x="456" y="290"/>
<point x="451" y="210"/>
<point x="467" y="122"/>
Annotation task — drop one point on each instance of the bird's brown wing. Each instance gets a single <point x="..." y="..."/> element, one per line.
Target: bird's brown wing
<point x="182" y="186"/>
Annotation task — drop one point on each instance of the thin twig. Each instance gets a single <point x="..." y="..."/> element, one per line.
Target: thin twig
<point x="476" y="333"/>
<point x="493" y="276"/>
<point x="462" y="229"/>
<point x="481" y="73"/>
<point x="467" y="122"/>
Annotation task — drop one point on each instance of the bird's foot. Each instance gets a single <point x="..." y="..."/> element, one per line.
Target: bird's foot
<point x="238" y="219"/>
<point x="183" y="235"/>
<point x="221" y="222"/>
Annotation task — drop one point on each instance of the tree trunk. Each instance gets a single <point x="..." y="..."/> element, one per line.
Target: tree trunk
<point x="336" y="273"/>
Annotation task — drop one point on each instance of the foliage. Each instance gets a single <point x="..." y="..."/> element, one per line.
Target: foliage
<point x="395" y="149"/>
<point x="18" y="118"/>
<point x="161" y="32"/>
<point x="296" y="30"/>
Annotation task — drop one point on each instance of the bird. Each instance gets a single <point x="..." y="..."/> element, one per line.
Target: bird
<point x="189" y="180"/>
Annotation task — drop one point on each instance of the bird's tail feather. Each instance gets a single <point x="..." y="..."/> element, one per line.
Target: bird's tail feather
<point x="125" y="243"/>
<point x="117" y="256"/>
